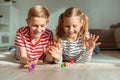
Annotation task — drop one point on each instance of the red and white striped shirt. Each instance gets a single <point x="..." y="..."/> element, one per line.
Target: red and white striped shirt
<point x="23" y="39"/>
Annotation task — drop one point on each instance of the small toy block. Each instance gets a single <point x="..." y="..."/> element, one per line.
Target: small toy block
<point x="30" y="69"/>
<point x="65" y="64"/>
<point x="71" y="60"/>
<point x="62" y="65"/>
<point x="33" y="66"/>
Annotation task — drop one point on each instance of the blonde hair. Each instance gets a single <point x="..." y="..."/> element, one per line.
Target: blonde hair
<point x="69" y="13"/>
<point x="38" y="11"/>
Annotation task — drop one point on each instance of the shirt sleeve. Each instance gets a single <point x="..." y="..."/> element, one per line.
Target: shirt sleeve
<point x="60" y="61"/>
<point x="19" y="39"/>
<point x="86" y="56"/>
<point x="51" y="37"/>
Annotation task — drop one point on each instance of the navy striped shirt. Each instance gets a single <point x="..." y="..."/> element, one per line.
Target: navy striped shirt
<point x="75" y="50"/>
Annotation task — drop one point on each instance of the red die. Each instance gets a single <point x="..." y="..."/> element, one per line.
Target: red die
<point x="71" y="60"/>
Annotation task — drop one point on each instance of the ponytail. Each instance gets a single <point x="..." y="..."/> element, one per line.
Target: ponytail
<point x="84" y="28"/>
<point x="59" y="29"/>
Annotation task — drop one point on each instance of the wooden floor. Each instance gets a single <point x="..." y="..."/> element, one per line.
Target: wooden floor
<point x="98" y="69"/>
<point x="107" y="56"/>
<point x="55" y="72"/>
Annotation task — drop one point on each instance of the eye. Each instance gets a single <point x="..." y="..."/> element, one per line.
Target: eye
<point x="74" y="26"/>
<point x="67" y="26"/>
<point x="34" y="25"/>
<point x="42" y="25"/>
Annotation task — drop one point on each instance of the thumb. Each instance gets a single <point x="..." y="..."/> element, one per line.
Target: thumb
<point x="40" y="61"/>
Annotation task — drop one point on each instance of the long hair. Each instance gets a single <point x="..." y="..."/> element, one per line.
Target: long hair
<point x="59" y="30"/>
<point x="70" y="12"/>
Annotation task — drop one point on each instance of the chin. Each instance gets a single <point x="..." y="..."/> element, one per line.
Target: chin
<point x="71" y="35"/>
<point x="37" y="36"/>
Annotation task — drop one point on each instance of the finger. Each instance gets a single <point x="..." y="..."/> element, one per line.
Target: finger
<point x="27" y="64"/>
<point x="56" y="55"/>
<point x="92" y="37"/>
<point x="86" y="39"/>
<point x="54" y="43"/>
<point x="53" y="48"/>
<point x="58" y="46"/>
<point x="57" y="51"/>
<point x="31" y="59"/>
<point x="40" y="61"/>
<point x="51" y="51"/>
<point x="35" y="59"/>
<point x="99" y="43"/>
<point x="96" y="38"/>
<point x="44" y="50"/>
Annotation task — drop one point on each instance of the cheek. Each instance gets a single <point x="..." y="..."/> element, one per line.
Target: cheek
<point x="78" y="28"/>
<point x="43" y="29"/>
<point x="65" y="30"/>
<point x="34" y="28"/>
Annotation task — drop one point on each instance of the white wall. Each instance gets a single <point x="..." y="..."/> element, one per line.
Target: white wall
<point x="101" y="13"/>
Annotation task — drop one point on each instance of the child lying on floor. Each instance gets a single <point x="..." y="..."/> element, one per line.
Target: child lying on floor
<point x="33" y="38"/>
<point x="72" y="37"/>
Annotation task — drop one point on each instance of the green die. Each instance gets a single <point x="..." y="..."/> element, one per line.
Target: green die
<point x="62" y="65"/>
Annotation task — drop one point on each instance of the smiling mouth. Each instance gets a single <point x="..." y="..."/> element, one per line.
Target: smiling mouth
<point x="37" y="33"/>
<point x="70" y="33"/>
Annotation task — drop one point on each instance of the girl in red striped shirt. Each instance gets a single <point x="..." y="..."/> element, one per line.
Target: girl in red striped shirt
<point x="33" y="38"/>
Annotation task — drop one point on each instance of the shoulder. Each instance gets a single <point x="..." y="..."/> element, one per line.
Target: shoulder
<point x="22" y="29"/>
<point x="48" y="31"/>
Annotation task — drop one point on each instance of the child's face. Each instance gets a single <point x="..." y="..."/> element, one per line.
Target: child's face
<point x="72" y="26"/>
<point x="37" y="26"/>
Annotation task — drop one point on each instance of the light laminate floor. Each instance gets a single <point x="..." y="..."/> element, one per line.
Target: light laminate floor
<point x="55" y="72"/>
<point x="104" y="66"/>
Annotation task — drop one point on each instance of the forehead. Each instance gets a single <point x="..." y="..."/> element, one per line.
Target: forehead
<point x="38" y="19"/>
<point x="73" y="19"/>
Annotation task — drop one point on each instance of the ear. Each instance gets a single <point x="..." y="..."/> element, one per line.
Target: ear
<point x="47" y="21"/>
<point x="27" y="21"/>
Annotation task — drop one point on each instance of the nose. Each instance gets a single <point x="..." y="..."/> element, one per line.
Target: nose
<point x="71" y="28"/>
<point x="38" y="28"/>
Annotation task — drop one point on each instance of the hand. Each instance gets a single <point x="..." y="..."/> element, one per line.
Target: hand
<point x="28" y="63"/>
<point x="33" y="61"/>
<point x="46" y="49"/>
<point x="53" y="50"/>
<point x="91" y="42"/>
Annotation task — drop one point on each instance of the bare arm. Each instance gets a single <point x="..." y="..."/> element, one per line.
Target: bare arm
<point x="22" y="54"/>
